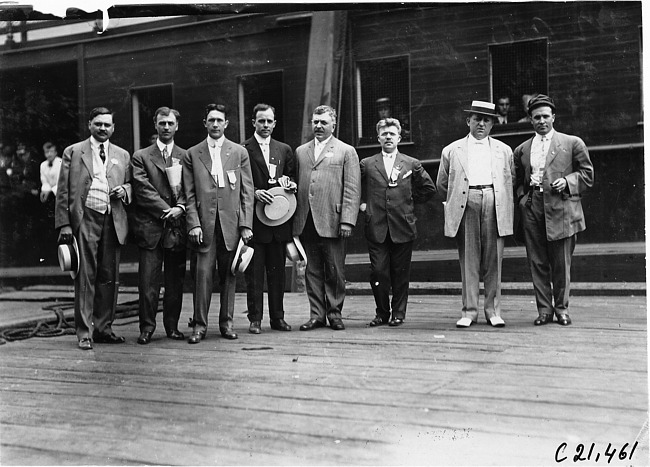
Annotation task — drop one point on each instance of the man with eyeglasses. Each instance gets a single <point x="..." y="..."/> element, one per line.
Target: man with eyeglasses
<point x="553" y="169"/>
<point x="329" y="190"/>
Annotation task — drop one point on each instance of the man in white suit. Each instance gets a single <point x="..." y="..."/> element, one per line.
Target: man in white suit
<point x="329" y="192"/>
<point x="476" y="180"/>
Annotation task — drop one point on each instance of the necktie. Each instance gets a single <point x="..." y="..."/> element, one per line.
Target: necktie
<point x="165" y="154"/>
<point x="102" y="154"/>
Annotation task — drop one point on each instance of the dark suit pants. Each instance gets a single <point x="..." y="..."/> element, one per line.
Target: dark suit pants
<point x="390" y="266"/>
<point x="550" y="261"/>
<point x="96" y="285"/>
<point x="203" y="272"/>
<point x="150" y="276"/>
<point x="324" y="274"/>
<point x="269" y="258"/>
<point x="480" y="251"/>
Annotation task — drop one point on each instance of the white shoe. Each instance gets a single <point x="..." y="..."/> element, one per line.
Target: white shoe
<point x="497" y="322"/>
<point x="464" y="323"/>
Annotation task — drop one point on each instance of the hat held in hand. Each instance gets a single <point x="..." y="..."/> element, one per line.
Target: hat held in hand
<point x="69" y="257"/>
<point x="280" y="210"/>
<point x="242" y="259"/>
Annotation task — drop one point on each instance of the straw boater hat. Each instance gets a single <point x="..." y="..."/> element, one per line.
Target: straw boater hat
<point x="69" y="257"/>
<point x="294" y="250"/>
<point x="483" y="108"/>
<point x="280" y="210"/>
<point x="243" y="257"/>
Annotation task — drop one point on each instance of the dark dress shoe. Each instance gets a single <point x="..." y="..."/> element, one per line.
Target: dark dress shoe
<point x="378" y="322"/>
<point x="543" y="319"/>
<point x="196" y="337"/>
<point x="108" y="339"/>
<point x="337" y="324"/>
<point x="145" y="337"/>
<point x="85" y="344"/>
<point x="229" y="334"/>
<point x="312" y="324"/>
<point x="563" y="320"/>
<point x="280" y="325"/>
<point x="255" y="327"/>
<point x="396" y="322"/>
<point x="176" y="335"/>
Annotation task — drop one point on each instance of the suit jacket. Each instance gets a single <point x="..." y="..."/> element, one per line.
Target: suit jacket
<point x="152" y="194"/>
<point x="329" y="187"/>
<point x="206" y="201"/>
<point x="76" y="177"/>
<point x="567" y="157"/>
<point x="453" y="184"/>
<point x="281" y="155"/>
<point x="390" y="210"/>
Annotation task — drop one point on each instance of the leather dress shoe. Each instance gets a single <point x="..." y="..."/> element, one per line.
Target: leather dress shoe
<point x="196" y="337"/>
<point x="176" y="335"/>
<point x="312" y="324"/>
<point x="543" y="319"/>
<point x="280" y="325"/>
<point x="255" y="327"/>
<point x="108" y="339"/>
<point x="229" y="334"/>
<point x="378" y="321"/>
<point x="337" y="324"/>
<point x="396" y="322"/>
<point x="563" y="320"/>
<point x="85" y="343"/>
<point x="145" y="337"/>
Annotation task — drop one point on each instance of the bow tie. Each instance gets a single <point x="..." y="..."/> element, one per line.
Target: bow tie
<point x="263" y="144"/>
<point x="214" y="145"/>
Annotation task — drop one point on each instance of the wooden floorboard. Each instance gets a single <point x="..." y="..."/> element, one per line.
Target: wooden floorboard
<point x="426" y="393"/>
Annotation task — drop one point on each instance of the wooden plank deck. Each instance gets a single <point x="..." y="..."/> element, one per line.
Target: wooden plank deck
<point x="423" y="394"/>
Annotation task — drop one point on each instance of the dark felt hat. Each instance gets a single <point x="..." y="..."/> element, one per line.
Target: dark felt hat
<point x="538" y="101"/>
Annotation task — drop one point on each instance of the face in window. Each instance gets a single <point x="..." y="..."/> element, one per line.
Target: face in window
<point x="264" y="123"/>
<point x="389" y="138"/>
<point x="542" y="119"/>
<point x="102" y="127"/>
<point x="322" y="125"/>
<point x="480" y="125"/>
<point x="215" y="122"/>
<point x="503" y="105"/>
<point x="166" y="126"/>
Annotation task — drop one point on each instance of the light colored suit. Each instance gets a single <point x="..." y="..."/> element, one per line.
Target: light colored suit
<point x="478" y="219"/>
<point x="329" y="191"/>
<point x="551" y="220"/>
<point x="99" y="236"/>
<point x="153" y="195"/>
<point x="390" y="227"/>
<point x="221" y="213"/>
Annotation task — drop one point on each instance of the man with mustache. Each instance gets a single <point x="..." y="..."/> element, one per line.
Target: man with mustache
<point x="94" y="186"/>
<point x="329" y="191"/>
<point x="475" y="179"/>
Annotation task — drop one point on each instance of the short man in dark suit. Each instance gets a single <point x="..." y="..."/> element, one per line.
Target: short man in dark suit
<point x="272" y="165"/>
<point x="219" y="195"/>
<point x="552" y="170"/>
<point x="329" y="189"/>
<point x="391" y="182"/>
<point x="158" y="224"/>
<point x="94" y="186"/>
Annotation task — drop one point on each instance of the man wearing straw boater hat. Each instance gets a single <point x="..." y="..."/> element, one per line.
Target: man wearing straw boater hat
<point x="475" y="179"/>
<point x="219" y="194"/>
<point x="273" y="169"/>
<point x="94" y="186"/>
<point x="158" y="225"/>
<point x="553" y="169"/>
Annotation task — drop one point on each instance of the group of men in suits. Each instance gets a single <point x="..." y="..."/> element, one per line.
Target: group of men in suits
<point x="209" y="205"/>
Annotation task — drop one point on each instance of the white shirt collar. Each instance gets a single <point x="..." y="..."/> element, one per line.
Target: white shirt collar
<point x="162" y="146"/>
<point x="473" y="140"/>
<point x="95" y="144"/>
<point x="215" y="142"/>
<point x="261" y="140"/>
<point x="389" y="156"/>
<point x="548" y="135"/>
<point x="324" y="142"/>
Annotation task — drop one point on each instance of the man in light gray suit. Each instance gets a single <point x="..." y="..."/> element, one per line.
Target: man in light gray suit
<point x="476" y="178"/>
<point x="329" y="192"/>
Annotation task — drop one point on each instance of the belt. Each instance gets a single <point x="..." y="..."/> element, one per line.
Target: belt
<point x="537" y="188"/>
<point x="480" y="187"/>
